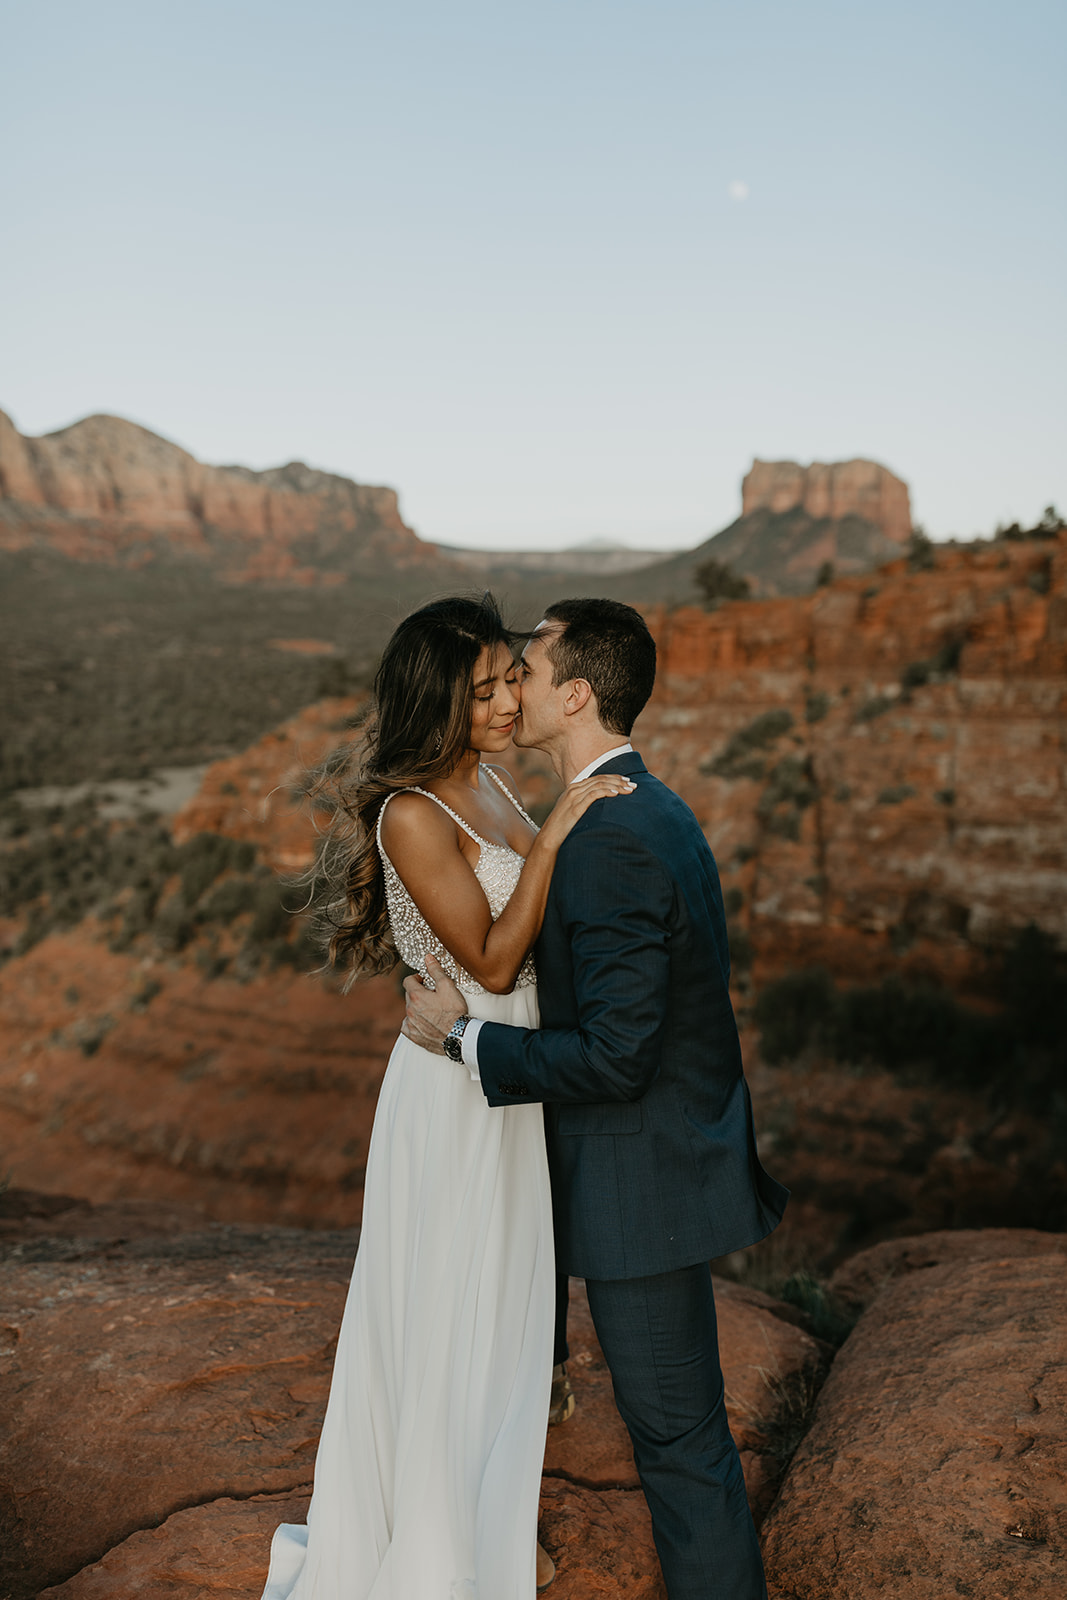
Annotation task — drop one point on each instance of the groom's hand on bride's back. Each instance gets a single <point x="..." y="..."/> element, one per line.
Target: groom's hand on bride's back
<point x="431" y="1012"/>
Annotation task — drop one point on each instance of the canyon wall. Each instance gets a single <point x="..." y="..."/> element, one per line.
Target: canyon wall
<point x="881" y="767"/>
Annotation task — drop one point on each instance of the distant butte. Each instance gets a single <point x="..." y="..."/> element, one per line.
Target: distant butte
<point x="105" y="489"/>
<point x="832" y="491"/>
<point x="796" y="523"/>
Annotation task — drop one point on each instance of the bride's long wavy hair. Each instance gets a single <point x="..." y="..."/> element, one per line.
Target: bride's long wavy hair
<point x="417" y="729"/>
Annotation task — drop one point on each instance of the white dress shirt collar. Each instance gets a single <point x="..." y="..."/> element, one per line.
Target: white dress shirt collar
<point x="609" y="755"/>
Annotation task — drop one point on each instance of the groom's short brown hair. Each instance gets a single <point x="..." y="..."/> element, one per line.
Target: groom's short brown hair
<point x="609" y="645"/>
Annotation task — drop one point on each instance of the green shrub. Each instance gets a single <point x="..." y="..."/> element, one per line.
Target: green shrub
<point x="270" y="919"/>
<point x="205" y="857"/>
<point x="716" y="580"/>
<point x="741" y="950"/>
<point x="1049" y="527"/>
<point x="1018" y="1054"/>
<point x="944" y="661"/>
<point x="742" y="754"/>
<point x="791" y="788"/>
<point x="895" y="794"/>
<point x="228" y="900"/>
<point x="794" y="1013"/>
<point x="921" y="556"/>
<point x="827" y="1318"/>
<point x="66" y="862"/>
<point x="173" y="926"/>
<point x="876" y="706"/>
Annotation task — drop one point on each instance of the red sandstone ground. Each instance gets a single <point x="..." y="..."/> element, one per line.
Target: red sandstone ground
<point x="147" y="1370"/>
<point x="937" y="1461"/>
<point x="163" y="1393"/>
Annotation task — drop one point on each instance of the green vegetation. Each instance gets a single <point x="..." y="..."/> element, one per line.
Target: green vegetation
<point x="941" y="664"/>
<point x="895" y="794"/>
<point x="741" y="952"/>
<point x="743" y="755"/>
<point x="826" y="1317"/>
<point x="876" y="706"/>
<point x="921" y="554"/>
<point x="717" y="581"/>
<point x="1050" y="526"/>
<point x="110" y="673"/>
<point x="1017" y="1055"/>
<point x="791" y="788"/>
<point x="64" y="864"/>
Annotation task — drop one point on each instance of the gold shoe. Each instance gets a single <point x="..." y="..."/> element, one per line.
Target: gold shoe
<point x="562" y="1404"/>
<point x="546" y="1567"/>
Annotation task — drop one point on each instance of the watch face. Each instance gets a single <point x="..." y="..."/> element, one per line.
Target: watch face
<point x="453" y="1048"/>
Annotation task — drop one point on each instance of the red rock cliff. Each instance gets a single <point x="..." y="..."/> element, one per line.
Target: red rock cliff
<point x="880" y="766"/>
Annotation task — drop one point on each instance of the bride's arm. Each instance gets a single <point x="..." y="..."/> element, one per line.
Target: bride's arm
<point x="423" y="843"/>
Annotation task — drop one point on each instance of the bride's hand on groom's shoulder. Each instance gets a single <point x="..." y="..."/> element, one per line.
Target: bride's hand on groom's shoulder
<point x="431" y="1012"/>
<point x="575" y="801"/>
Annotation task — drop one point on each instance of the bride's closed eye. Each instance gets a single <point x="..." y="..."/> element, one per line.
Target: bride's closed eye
<point x="509" y="683"/>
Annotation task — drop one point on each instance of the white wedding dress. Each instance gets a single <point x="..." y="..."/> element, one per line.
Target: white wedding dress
<point x="429" y="1464"/>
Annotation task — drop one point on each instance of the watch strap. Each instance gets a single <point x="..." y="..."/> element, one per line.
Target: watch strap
<point x="453" y="1046"/>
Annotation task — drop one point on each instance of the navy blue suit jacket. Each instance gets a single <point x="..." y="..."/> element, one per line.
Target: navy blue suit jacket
<point x="647" y="1114"/>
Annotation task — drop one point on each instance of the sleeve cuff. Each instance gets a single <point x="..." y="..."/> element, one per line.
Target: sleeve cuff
<point x="469" y="1046"/>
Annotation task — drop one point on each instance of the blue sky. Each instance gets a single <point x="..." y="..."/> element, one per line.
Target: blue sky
<point x="489" y="253"/>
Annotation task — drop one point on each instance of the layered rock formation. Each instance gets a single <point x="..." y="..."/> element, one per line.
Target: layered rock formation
<point x="796" y="524"/>
<point x="879" y="767"/>
<point x="831" y="491"/>
<point x="126" y="1075"/>
<point x="106" y="489"/>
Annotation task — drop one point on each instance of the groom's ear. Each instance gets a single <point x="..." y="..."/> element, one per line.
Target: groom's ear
<point x="578" y="695"/>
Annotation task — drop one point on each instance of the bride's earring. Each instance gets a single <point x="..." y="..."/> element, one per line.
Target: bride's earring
<point x="437" y="742"/>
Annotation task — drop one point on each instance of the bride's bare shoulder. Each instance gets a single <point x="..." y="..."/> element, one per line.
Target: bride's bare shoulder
<point x="411" y="821"/>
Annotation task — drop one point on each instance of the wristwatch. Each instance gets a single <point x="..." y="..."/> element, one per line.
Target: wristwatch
<point x="453" y="1040"/>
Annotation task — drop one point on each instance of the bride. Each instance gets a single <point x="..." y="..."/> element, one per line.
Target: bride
<point x="429" y="1463"/>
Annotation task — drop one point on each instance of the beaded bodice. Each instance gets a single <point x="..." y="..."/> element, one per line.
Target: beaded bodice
<point x="497" y="870"/>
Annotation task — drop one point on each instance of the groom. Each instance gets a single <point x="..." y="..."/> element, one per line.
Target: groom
<point x="648" y="1120"/>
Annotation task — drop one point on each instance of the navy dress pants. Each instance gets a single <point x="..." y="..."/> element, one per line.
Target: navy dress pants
<point x="660" y="1341"/>
<point x="560" y="1348"/>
